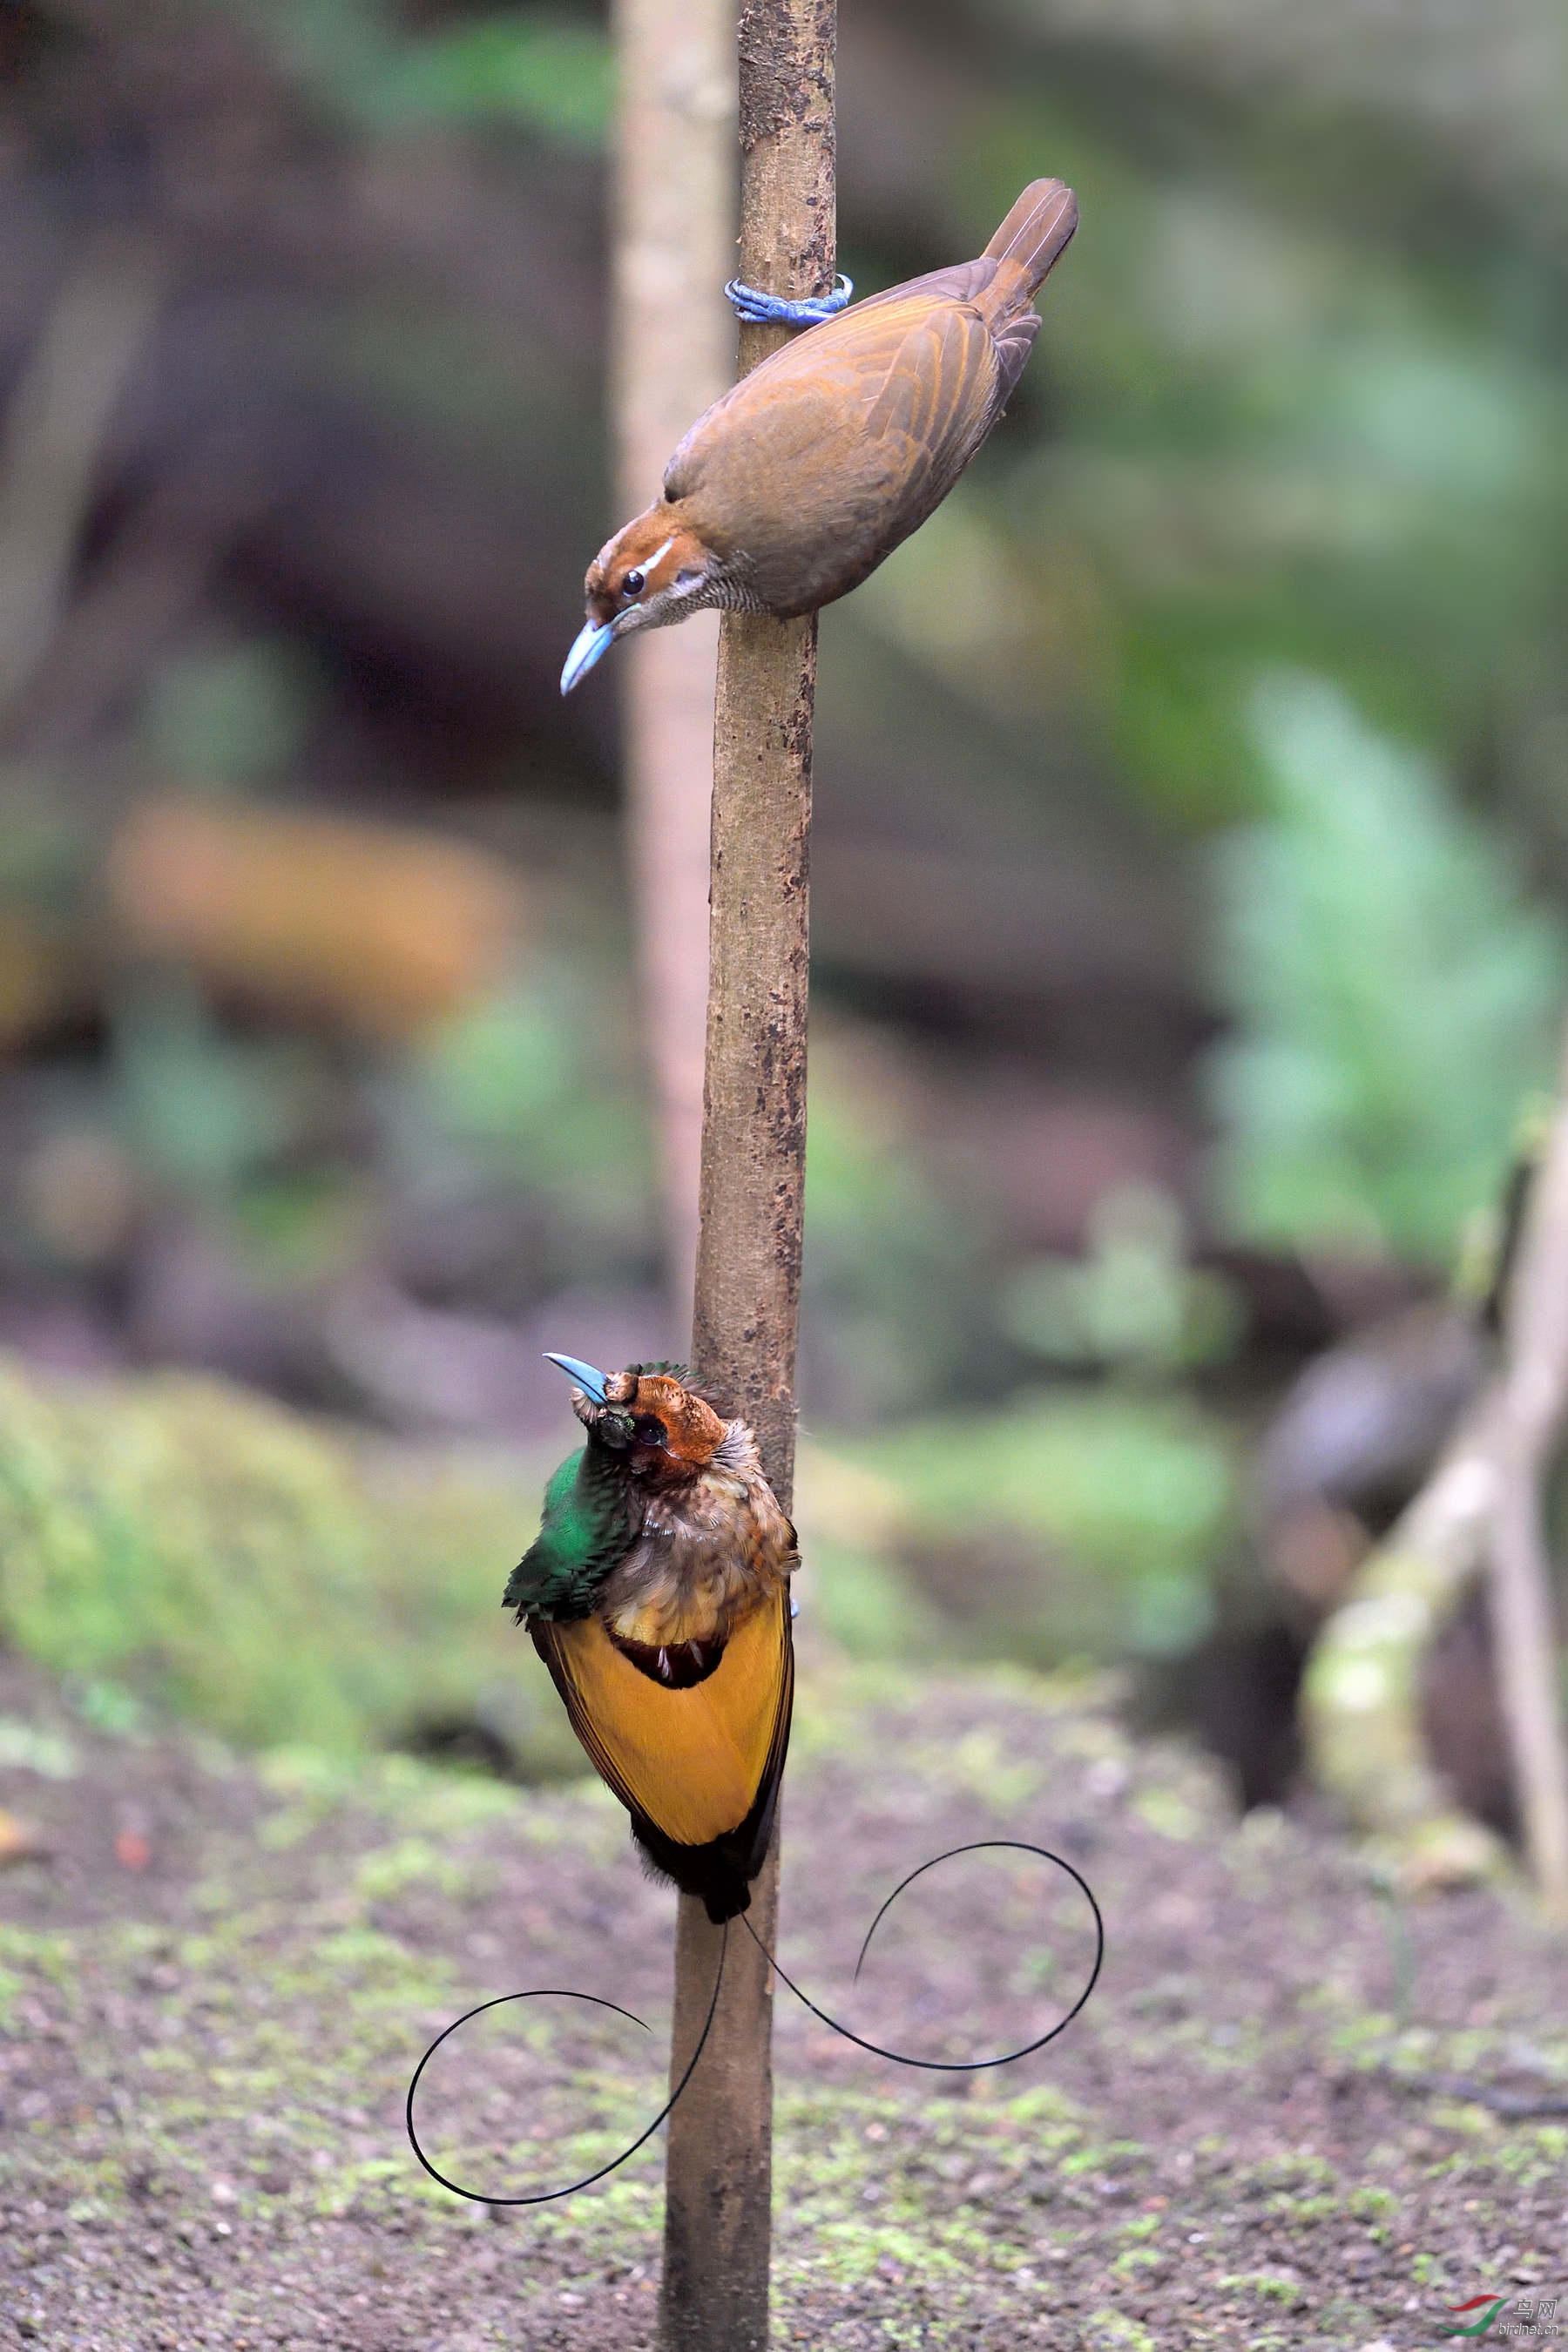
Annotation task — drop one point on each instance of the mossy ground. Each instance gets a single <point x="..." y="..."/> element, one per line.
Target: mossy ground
<point x="184" y="1544"/>
<point x="1251" y="2136"/>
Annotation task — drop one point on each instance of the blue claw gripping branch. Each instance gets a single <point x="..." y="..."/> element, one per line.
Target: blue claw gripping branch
<point x="760" y="310"/>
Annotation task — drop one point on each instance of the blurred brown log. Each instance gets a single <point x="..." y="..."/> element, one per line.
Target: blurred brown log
<point x="1360" y="1429"/>
<point x="379" y="929"/>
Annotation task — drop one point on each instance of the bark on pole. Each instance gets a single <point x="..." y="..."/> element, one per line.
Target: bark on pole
<point x="719" y="2167"/>
<point x="672" y="334"/>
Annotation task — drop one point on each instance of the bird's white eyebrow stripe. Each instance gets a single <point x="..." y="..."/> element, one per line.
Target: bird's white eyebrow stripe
<point x="651" y="563"/>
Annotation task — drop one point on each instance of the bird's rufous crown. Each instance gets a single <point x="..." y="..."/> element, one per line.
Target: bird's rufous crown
<point x="692" y="1428"/>
<point x="645" y="557"/>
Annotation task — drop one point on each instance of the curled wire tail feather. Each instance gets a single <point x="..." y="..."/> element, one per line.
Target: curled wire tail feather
<point x="875" y="2049"/>
<point x="954" y="2065"/>
<point x="558" y="1992"/>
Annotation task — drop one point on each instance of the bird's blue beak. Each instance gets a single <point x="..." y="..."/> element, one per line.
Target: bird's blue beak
<point x="591" y="1382"/>
<point x="595" y="639"/>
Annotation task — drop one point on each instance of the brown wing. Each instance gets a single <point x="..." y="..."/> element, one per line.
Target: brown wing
<point x="821" y="460"/>
<point x="1013" y="345"/>
<point x="692" y="1762"/>
<point x="936" y="402"/>
<point x="956" y="281"/>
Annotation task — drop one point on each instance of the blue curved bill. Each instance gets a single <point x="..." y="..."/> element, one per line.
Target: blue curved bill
<point x="594" y="639"/>
<point x="591" y="1382"/>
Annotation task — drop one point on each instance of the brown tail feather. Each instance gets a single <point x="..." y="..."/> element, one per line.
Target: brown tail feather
<point x="1029" y="242"/>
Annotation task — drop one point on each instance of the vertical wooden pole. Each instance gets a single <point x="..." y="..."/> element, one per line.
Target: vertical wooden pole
<point x="672" y="336"/>
<point x="718" y="2174"/>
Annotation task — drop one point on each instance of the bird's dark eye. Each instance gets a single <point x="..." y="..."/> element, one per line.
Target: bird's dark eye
<point x="648" y="1431"/>
<point x="634" y="583"/>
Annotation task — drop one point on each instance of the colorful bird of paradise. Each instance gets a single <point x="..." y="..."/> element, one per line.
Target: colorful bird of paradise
<point x="658" y="1594"/>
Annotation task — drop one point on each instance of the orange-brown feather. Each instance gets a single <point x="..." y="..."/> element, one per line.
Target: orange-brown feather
<point x="816" y="465"/>
<point x="657" y="543"/>
<point x="696" y="1432"/>
<point x="692" y="1761"/>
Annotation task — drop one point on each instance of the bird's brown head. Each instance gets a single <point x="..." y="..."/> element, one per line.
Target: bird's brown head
<point x="654" y="570"/>
<point x="666" y="1433"/>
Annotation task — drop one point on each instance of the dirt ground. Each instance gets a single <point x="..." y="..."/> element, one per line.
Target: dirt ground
<point x="1293" y="2114"/>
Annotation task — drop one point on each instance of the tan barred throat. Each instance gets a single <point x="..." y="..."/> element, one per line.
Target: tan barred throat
<point x="678" y="1638"/>
<point x="702" y="1563"/>
<point x="666" y="1612"/>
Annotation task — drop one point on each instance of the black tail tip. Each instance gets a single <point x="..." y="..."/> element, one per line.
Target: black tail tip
<point x="719" y="1884"/>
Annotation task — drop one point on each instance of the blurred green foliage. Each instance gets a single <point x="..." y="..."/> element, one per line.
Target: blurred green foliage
<point x="872" y="1605"/>
<point x="1276" y="436"/>
<point x="1394" y="998"/>
<point x="890" y="1261"/>
<point x="534" y="1094"/>
<point x="544" y="69"/>
<point x="204" y="1111"/>
<point x="525" y="1094"/>
<point x="1072" y="1523"/>
<point x="231" y="718"/>
<point x="536" y="1087"/>
<point x="1131" y="1303"/>
<point x="540" y="1090"/>
<point x="553" y="73"/>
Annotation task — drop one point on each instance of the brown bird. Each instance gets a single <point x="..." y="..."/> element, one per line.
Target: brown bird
<point x="792" y="489"/>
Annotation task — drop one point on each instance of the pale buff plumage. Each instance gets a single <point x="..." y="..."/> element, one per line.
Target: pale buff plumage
<point x="708" y="1553"/>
